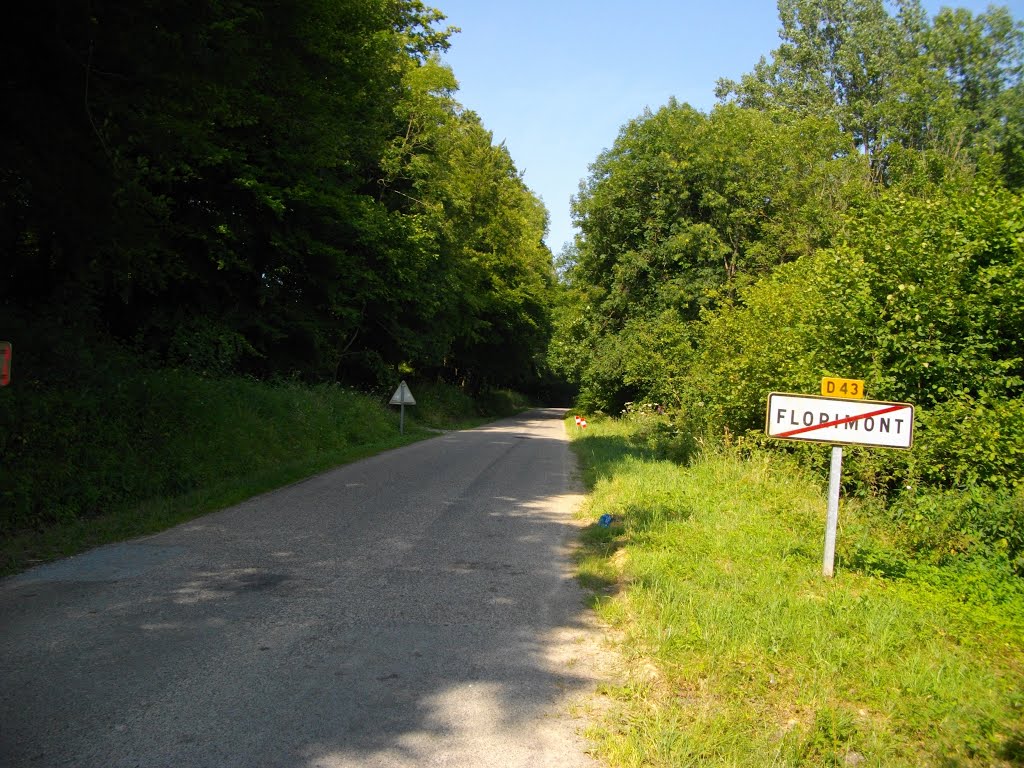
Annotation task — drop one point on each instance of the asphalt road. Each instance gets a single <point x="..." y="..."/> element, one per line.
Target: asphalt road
<point x="412" y="609"/>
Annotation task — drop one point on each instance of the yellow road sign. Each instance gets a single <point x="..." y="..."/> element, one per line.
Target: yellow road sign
<point x="842" y="388"/>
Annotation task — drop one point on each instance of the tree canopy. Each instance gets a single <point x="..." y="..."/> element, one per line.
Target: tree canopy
<point x="893" y="80"/>
<point x="265" y="188"/>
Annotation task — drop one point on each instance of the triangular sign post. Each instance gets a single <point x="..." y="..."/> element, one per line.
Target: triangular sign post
<point x="402" y="398"/>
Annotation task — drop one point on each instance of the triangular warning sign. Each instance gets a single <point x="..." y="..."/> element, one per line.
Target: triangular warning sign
<point x="403" y="396"/>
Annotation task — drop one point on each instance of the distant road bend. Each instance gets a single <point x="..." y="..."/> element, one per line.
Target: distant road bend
<point x="412" y="609"/>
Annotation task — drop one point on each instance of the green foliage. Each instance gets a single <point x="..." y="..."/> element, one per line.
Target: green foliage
<point x="503" y="402"/>
<point x="922" y="302"/>
<point x="119" y="450"/>
<point x="893" y="82"/>
<point x="940" y="526"/>
<point x="966" y="441"/>
<point x="266" y="189"/>
<point x="726" y="256"/>
<point x="105" y="445"/>
<point x="444" y="406"/>
<point x="843" y="213"/>
<point x="684" y="204"/>
<point x="682" y="212"/>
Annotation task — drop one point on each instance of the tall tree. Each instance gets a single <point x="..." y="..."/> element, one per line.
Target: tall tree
<point x="194" y="174"/>
<point x="486" y="294"/>
<point x="683" y="210"/>
<point x="891" y="81"/>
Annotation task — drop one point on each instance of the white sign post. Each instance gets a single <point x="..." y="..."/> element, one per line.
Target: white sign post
<point x="834" y="420"/>
<point x="832" y="516"/>
<point x="402" y="398"/>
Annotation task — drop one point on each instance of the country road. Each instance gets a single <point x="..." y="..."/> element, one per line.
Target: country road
<point x="412" y="609"/>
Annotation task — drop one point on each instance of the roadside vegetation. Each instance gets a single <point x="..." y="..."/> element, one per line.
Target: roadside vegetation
<point x="227" y="232"/>
<point x="271" y="189"/>
<point x="124" y="450"/>
<point x="852" y="207"/>
<point x="739" y="652"/>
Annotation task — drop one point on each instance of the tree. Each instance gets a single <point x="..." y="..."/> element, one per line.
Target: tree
<point x="486" y="299"/>
<point x="194" y="162"/>
<point x="684" y="210"/>
<point x="269" y="188"/>
<point x="892" y="82"/>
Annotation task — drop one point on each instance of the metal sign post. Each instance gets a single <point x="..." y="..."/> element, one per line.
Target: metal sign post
<point x="839" y="421"/>
<point x="402" y="398"/>
<point x="832" y="518"/>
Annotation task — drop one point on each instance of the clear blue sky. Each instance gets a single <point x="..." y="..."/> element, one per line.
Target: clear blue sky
<point x="556" y="79"/>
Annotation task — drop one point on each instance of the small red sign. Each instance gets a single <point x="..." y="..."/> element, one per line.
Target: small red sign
<point x="5" y="363"/>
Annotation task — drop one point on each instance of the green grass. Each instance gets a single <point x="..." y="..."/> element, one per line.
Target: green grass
<point x="740" y="653"/>
<point x="441" y="406"/>
<point x="133" y="453"/>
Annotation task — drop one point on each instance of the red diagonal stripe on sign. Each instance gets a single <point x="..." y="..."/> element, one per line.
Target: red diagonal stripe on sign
<point x="847" y="420"/>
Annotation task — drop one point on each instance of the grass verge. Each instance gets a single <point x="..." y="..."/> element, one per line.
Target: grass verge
<point x="740" y="653"/>
<point x="441" y="406"/>
<point x="132" y="454"/>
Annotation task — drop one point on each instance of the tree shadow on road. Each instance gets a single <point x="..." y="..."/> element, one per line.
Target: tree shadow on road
<point x="322" y="633"/>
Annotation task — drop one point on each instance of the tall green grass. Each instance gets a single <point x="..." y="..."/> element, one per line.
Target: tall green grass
<point x="740" y="653"/>
<point x="136" y="450"/>
<point x="448" y="407"/>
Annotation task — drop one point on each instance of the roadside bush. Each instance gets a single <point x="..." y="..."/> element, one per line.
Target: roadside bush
<point x="501" y="402"/>
<point x="661" y="432"/>
<point x="941" y="525"/>
<point x="969" y="440"/>
<point x="81" y="453"/>
<point x="924" y="301"/>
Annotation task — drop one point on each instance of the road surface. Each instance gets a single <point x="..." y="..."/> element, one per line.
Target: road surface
<point x="412" y="609"/>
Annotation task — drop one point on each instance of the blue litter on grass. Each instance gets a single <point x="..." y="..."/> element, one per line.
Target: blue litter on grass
<point x="605" y="520"/>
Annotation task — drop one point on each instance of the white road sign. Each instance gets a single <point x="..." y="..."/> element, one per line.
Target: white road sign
<point x="840" y="421"/>
<point x="402" y="395"/>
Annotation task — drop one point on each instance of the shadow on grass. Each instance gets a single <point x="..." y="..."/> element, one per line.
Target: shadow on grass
<point x="601" y="456"/>
<point x="1013" y="749"/>
<point x="595" y="572"/>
